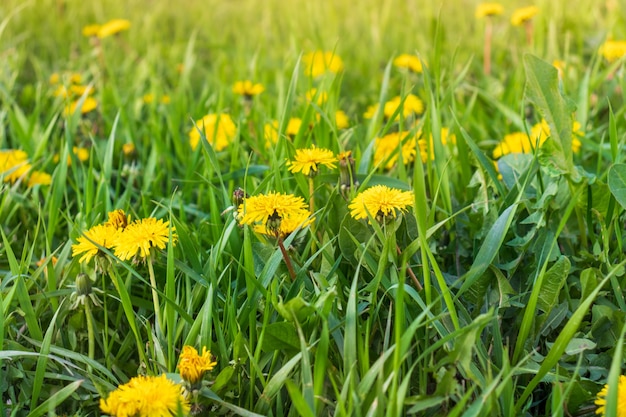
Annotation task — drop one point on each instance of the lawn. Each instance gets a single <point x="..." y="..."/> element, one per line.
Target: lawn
<point x="297" y="208"/>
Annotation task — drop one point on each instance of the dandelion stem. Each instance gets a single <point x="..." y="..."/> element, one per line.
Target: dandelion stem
<point x="528" y="26"/>
<point x="90" y="335"/>
<point x="155" y="295"/>
<point x="487" y="46"/>
<point x="411" y="273"/>
<point x="292" y="273"/>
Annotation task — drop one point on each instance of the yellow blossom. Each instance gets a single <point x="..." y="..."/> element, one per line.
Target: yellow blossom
<point x="321" y="96"/>
<point x="410" y="105"/>
<point x="146" y="396"/>
<point x="13" y="164"/>
<point x="192" y="366"/>
<point x="429" y="148"/>
<point x="523" y="14"/>
<point x="293" y="126"/>
<point x="148" y="98"/>
<point x="128" y="149"/>
<point x="55" y="78"/>
<point x="621" y="398"/>
<point x="39" y="178"/>
<point x="113" y="27"/>
<point x="102" y="235"/>
<point x="139" y="237"/>
<point x="247" y="88"/>
<point x="387" y="149"/>
<point x="219" y="130"/>
<point x="408" y="61"/>
<point x="270" y="133"/>
<point x="91" y="30"/>
<point x="118" y="219"/>
<point x="274" y="214"/>
<point x="381" y="202"/>
<point x="341" y="119"/>
<point x="307" y="161"/>
<point x="488" y="9"/>
<point x="88" y="105"/>
<point x="613" y="50"/>
<point x="318" y="62"/>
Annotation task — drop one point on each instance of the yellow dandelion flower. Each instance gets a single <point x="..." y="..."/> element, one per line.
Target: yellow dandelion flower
<point x="91" y="30"/>
<point x="322" y="96"/>
<point x="318" y="62"/>
<point x="613" y="50"/>
<point x="386" y="149"/>
<point x="621" y="398"/>
<point x="128" y="149"/>
<point x="488" y="9"/>
<point x="293" y="126"/>
<point x="408" y="61"/>
<point x="88" y="105"/>
<point x="81" y="153"/>
<point x="341" y="119"/>
<point x="270" y="133"/>
<point x="141" y="236"/>
<point x="113" y="27"/>
<point x="192" y="366"/>
<point x="13" y="164"/>
<point x="165" y="99"/>
<point x="410" y="105"/>
<point x="118" y="219"/>
<point x="39" y="178"/>
<point x="427" y="149"/>
<point x="274" y="213"/>
<point x="523" y="14"/>
<point x="102" y="235"/>
<point x="219" y="130"/>
<point x="381" y="202"/>
<point x="76" y="78"/>
<point x="307" y="161"/>
<point x="79" y="90"/>
<point x="55" y="78"/>
<point x="247" y="88"/>
<point x="517" y="142"/>
<point x="146" y="396"/>
<point x="148" y="98"/>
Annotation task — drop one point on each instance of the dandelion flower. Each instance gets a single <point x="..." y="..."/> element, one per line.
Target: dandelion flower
<point x="128" y="149"/>
<point x="113" y="27"/>
<point x="141" y="236"/>
<point x="91" y="30"/>
<point x="248" y="89"/>
<point x="118" y="219"/>
<point x="409" y="106"/>
<point x="307" y="161"/>
<point x="613" y="50"/>
<point x="13" y="164"/>
<point x="293" y="126"/>
<point x="274" y="214"/>
<point x="621" y="398"/>
<point x="381" y="202"/>
<point x="218" y="129"/>
<point x="488" y="9"/>
<point x="516" y="142"/>
<point x="523" y="14"/>
<point x="55" y="78"/>
<point x="386" y="149"/>
<point x="341" y="119"/>
<point x="145" y="396"/>
<point x="428" y="148"/>
<point x="87" y="105"/>
<point x="408" y="61"/>
<point x="322" y="96"/>
<point x="192" y="366"/>
<point x="318" y="62"/>
<point x="39" y="178"/>
<point x="90" y="243"/>
<point x="270" y="133"/>
<point x="148" y="98"/>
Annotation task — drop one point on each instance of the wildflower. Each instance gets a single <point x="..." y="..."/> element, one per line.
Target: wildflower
<point x="148" y="98"/>
<point x="270" y="133"/>
<point x="248" y="89"/>
<point x="341" y="119"/>
<point x="381" y="202"/>
<point x="118" y="219"/>
<point x="113" y="27"/>
<point x="87" y="105"/>
<point x="218" y="129"/>
<point x="560" y="66"/>
<point x="165" y="99"/>
<point x="192" y="366"/>
<point x="488" y="9"/>
<point x="13" y="164"/>
<point x="523" y="15"/>
<point x="621" y="398"/>
<point x="274" y="214"/>
<point x="408" y="61"/>
<point x="128" y="149"/>
<point x="318" y="62"/>
<point x="427" y="149"/>
<point x="312" y="94"/>
<point x="386" y="149"/>
<point x="517" y="142"/>
<point x="145" y="396"/>
<point x="141" y="236"/>
<point x="91" y="30"/>
<point x="293" y="126"/>
<point x="409" y="106"/>
<point x="308" y="160"/>
<point x="613" y="50"/>
<point x="91" y="242"/>
<point x="55" y="78"/>
<point x="39" y="178"/>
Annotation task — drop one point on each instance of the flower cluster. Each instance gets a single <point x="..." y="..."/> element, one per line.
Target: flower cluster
<point x="128" y="240"/>
<point x="72" y="88"/>
<point x="14" y="166"/>
<point x="407" y="106"/>
<point x="146" y="396"/>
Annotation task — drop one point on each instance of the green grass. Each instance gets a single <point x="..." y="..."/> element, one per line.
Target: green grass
<point x="498" y="293"/>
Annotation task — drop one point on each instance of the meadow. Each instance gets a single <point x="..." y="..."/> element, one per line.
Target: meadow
<point x="297" y="208"/>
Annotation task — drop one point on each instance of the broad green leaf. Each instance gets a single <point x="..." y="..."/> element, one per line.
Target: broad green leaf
<point x="617" y="183"/>
<point x="552" y="283"/>
<point x="280" y="336"/>
<point x="579" y="345"/>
